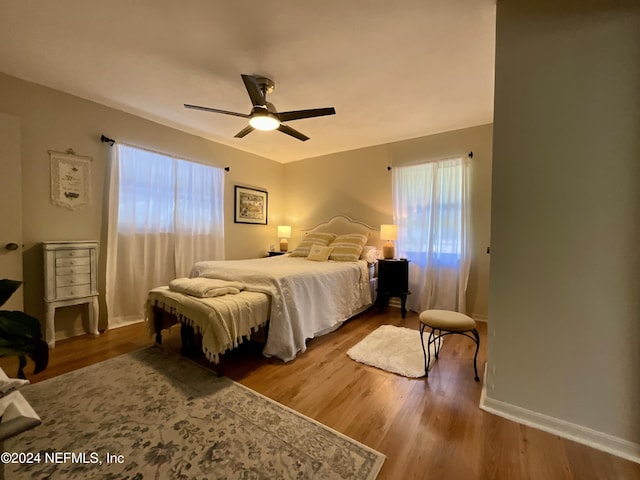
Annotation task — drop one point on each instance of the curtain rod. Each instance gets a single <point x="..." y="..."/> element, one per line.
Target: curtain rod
<point x="108" y="140"/>
<point x="111" y="141"/>
<point x="470" y="155"/>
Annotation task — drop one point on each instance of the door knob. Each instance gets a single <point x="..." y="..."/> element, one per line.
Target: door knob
<point x="11" y="246"/>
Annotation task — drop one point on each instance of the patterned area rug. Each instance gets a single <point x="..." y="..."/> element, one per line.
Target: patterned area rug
<point x="153" y="414"/>
<point x="394" y="349"/>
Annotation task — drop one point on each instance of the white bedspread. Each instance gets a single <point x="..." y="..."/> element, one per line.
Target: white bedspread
<point x="307" y="298"/>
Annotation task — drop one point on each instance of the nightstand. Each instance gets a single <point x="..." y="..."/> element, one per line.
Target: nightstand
<point x="393" y="281"/>
<point x="275" y="254"/>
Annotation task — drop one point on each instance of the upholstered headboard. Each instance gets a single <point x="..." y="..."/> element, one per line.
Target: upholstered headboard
<point x="342" y="225"/>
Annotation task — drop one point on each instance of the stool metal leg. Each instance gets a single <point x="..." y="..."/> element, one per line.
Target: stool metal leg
<point x="432" y="340"/>
<point x="435" y="339"/>
<point x="426" y="366"/>
<point x="475" y="366"/>
<point x="438" y="341"/>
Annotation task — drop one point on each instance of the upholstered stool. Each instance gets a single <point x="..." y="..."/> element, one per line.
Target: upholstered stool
<point x="445" y="322"/>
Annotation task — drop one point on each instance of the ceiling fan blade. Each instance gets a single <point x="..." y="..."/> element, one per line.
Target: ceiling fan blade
<point x="253" y="89"/>
<point x="299" y="114"/>
<point x="294" y="133"/>
<point x="246" y="130"/>
<point x="215" y="110"/>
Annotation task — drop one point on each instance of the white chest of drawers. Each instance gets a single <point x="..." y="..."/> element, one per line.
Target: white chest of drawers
<point x="70" y="278"/>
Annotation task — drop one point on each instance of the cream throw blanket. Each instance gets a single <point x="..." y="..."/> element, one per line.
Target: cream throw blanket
<point x="205" y="287"/>
<point x="223" y="322"/>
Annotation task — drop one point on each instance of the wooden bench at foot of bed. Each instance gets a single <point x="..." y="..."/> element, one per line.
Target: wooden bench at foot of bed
<point x="164" y="320"/>
<point x="191" y="342"/>
<point x="221" y="323"/>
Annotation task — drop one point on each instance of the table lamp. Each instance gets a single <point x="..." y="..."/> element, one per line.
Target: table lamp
<point x="284" y="232"/>
<point x="388" y="233"/>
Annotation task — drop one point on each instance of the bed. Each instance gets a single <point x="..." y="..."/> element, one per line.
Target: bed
<point x="297" y="298"/>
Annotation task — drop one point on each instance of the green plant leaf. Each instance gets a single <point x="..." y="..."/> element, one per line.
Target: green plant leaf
<point x="40" y="356"/>
<point x="36" y="349"/>
<point x="19" y="323"/>
<point x="7" y="288"/>
<point x="20" y="334"/>
<point x="15" y="346"/>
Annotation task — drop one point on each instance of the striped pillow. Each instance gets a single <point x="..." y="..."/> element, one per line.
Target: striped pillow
<point x="322" y="239"/>
<point x="347" y="248"/>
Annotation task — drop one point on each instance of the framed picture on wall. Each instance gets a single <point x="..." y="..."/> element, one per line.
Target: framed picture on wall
<point x="250" y="205"/>
<point x="70" y="179"/>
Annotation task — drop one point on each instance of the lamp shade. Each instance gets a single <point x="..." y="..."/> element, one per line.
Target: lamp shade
<point x="284" y="231"/>
<point x="389" y="232"/>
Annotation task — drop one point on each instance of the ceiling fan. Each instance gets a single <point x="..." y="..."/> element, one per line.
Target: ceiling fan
<point x="264" y="115"/>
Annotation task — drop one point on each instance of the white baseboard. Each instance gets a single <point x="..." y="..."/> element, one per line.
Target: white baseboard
<point x="479" y="318"/>
<point x="571" y="431"/>
<point x="123" y="322"/>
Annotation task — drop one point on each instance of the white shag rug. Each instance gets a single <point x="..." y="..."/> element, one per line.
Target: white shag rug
<point x="394" y="349"/>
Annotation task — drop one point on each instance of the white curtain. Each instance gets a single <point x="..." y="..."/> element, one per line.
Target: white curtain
<point x="164" y="214"/>
<point x="431" y="211"/>
<point x="199" y="215"/>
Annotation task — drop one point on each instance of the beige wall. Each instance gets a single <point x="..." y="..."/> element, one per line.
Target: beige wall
<point x="357" y="183"/>
<point x="564" y="301"/>
<point x="11" y="195"/>
<point x="52" y="120"/>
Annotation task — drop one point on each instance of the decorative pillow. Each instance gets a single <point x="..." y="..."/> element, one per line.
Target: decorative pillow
<point x="347" y="248"/>
<point x="322" y="239"/>
<point x="369" y="253"/>
<point x="319" y="254"/>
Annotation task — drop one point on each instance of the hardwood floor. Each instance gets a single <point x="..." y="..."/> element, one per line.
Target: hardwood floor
<point x="428" y="429"/>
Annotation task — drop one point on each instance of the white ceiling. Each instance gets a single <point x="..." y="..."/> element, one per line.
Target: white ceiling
<point x="392" y="70"/>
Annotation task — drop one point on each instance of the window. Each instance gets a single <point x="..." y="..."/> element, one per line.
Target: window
<point x="162" y="194"/>
<point x="147" y="191"/>
<point x="165" y="214"/>
<point x="430" y="209"/>
<point x="428" y="205"/>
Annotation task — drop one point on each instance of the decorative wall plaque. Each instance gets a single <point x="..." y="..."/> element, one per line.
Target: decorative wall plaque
<point x="70" y="179"/>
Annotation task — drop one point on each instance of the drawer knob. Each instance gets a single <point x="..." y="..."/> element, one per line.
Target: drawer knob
<point x="11" y="246"/>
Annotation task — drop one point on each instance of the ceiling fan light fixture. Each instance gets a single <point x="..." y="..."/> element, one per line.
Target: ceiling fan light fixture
<point x="264" y="122"/>
<point x="264" y="115"/>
